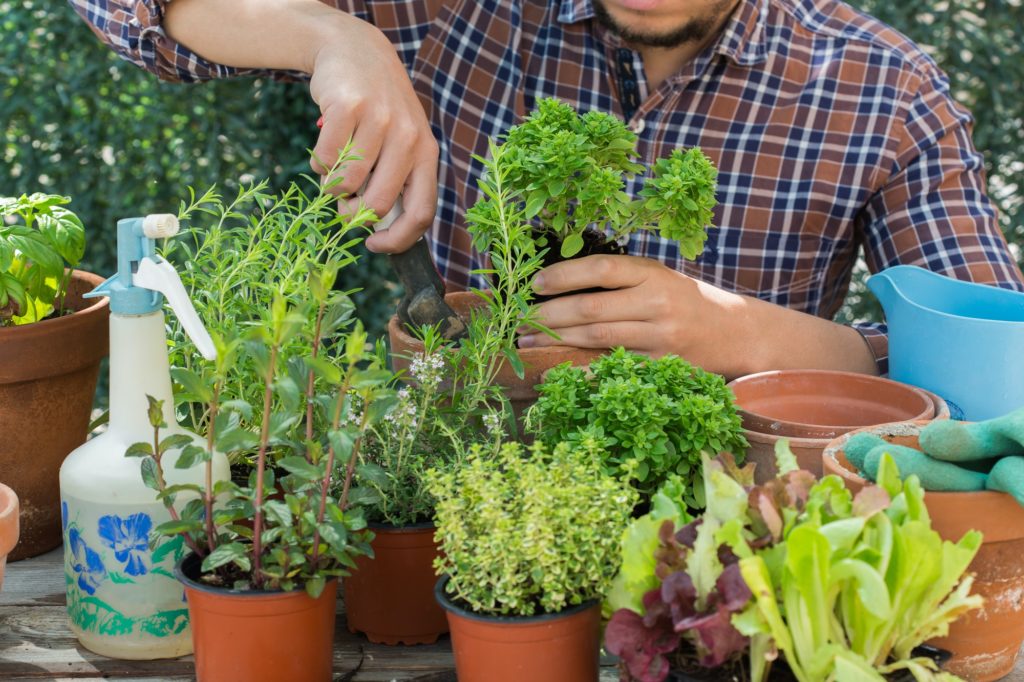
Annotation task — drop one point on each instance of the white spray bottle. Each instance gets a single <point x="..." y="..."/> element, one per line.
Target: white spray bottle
<point x="123" y="600"/>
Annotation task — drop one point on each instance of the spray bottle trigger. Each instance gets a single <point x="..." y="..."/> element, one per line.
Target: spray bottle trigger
<point x="161" y="276"/>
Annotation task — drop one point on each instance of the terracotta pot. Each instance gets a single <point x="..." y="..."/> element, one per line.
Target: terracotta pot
<point x="48" y="374"/>
<point x="258" y="636"/>
<point x="984" y="642"/>
<point x="557" y="647"/>
<point x="520" y="392"/>
<point x="811" y="407"/>
<point x="390" y="598"/>
<point x="8" y="525"/>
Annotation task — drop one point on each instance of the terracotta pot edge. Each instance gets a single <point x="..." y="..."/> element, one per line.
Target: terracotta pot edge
<point x="452" y="608"/>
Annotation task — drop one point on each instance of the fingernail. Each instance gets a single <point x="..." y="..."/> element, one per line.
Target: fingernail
<point x="538" y="283"/>
<point x="528" y="341"/>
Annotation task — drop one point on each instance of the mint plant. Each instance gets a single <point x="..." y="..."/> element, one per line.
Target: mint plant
<point x="529" y="531"/>
<point x="652" y="417"/>
<point x="41" y="242"/>
<point x="568" y="173"/>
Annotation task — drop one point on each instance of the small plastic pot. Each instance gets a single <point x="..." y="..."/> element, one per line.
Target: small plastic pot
<point x="557" y="647"/>
<point x="985" y="642"/>
<point x="258" y="636"/>
<point x="8" y="525"/>
<point x="390" y="598"/>
<point x="811" y="407"/>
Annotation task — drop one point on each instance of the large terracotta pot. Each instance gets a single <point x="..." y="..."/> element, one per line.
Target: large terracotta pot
<point x="985" y="642"/>
<point x="48" y="373"/>
<point x="8" y="525"/>
<point x="258" y="636"/>
<point x="811" y="407"/>
<point x="520" y="392"/>
<point x="390" y="598"/>
<point x="557" y="647"/>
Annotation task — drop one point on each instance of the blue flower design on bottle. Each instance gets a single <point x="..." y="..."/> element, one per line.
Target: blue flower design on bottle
<point x="129" y="538"/>
<point x="85" y="562"/>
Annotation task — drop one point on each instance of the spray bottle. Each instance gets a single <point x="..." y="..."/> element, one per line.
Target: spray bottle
<point x="123" y="600"/>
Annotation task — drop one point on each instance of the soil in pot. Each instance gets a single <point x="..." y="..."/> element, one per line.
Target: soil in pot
<point x="520" y="392"/>
<point x="259" y="636"/>
<point x="8" y="525"/>
<point x="390" y="598"/>
<point x="985" y="642"/>
<point x="48" y="373"/>
<point x="811" y="407"/>
<point x="560" y="647"/>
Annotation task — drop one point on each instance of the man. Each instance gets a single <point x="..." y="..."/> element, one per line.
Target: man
<point x="829" y="129"/>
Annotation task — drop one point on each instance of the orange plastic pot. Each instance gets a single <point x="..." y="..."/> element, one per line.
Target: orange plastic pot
<point x="48" y="373"/>
<point x="985" y="642"/>
<point x="557" y="647"/>
<point x="8" y="525"/>
<point x="811" y="407"/>
<point x="520" y="392"/>
<point x="390" y="598"/>
<point x="259" y="636"/>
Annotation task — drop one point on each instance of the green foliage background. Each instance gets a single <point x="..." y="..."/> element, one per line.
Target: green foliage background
<point x="79" y="121"/>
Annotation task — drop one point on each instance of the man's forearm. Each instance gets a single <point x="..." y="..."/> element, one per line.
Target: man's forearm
<point x="262" y="34"/>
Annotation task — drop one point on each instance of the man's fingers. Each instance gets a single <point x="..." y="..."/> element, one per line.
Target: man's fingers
<point x="366" y="145"/>
<point x="387" y="178"/>
<point x="333" y="137"/>
<point x="419" y="203"/>
<point x="619" y="305"/>
<point x="603" y="335"/>
<point x="608" y="272"/>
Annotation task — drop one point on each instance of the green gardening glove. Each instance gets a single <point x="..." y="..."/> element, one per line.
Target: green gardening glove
<point x="859" y="445"/>
<point x="954" y="441"/>
<point x="1008" y="476"/>
<point x="934" y="474"/>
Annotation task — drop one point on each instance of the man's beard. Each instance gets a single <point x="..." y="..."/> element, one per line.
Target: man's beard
<point x="695" y="30"/>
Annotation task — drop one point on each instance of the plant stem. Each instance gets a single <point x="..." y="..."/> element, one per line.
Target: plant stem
<point x="310" y="380"/>
<point x="162" y="485"/>
<point x="211" y="539"/>
<point x="261" y="465"/>
<point x="326" y="482"/>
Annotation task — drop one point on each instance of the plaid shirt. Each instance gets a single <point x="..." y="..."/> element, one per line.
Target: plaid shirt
<point x="830" y="130"/>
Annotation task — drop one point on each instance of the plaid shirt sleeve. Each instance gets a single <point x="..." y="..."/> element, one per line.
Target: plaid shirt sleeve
<point x="134" y="30"/>
<point x="932" y="210"/>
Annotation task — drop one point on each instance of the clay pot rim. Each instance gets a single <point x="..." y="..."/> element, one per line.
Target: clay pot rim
<point x="44" y="325"/>
<point x="765" y="419"/>
<point x="449" y="606"/>
<point x="390" y="528"/>
<point x="192" y="560"/>
<point x="834" y="466"/>
<point x="398" y="330"/>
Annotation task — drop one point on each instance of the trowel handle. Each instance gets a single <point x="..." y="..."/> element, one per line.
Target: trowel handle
<point x="161" y="276"/>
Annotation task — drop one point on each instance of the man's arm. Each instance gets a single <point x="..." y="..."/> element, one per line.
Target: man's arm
<point x="356" y="78"/>
<point x="651" y="308"/>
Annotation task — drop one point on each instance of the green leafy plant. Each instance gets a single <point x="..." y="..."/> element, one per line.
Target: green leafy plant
<point x="652" y="417"/>
<point x="525" y="532"/>
<point x="318" y="392"/>
<point x="569" y="172"/>
<point x="843" y="586"/>
<point x="41" y="242"/>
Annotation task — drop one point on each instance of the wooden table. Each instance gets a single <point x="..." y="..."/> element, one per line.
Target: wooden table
<point x="35" y="643"/>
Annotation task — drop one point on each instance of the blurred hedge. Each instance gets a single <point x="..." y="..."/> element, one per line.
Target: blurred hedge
<point x="79" y="121"/>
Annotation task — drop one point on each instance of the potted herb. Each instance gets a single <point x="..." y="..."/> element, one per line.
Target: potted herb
<point x="53" y="341"/>
<point x="390" y="597"/>
<point x="836" y="586"/>
<point x="529" y="538"/>
<point x="652" y="417"/>
<point x="555" y="189"/>
<point x="258" y="565"/>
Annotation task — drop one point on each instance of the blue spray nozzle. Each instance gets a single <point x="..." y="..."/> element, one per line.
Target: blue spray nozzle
<point x="136" y="239"/>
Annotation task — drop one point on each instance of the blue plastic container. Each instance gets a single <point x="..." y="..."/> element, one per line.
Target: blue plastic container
<point x="961" y="340"/>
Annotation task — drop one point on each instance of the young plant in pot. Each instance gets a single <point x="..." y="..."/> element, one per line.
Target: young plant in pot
<point x="555" y="189"/>
<point x="529" y="537"/>
<point x="652" y="418"/>
<point x="53" y="341"/>
<point x="795" y="579"/>
<point x="437" y="417"/>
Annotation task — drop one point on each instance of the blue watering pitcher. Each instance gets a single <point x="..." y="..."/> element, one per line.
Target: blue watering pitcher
<point x="960" y="340"/>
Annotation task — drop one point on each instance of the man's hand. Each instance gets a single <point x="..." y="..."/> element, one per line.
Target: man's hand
<point x="364" y="93"/>
<point x="653" y="309"/>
